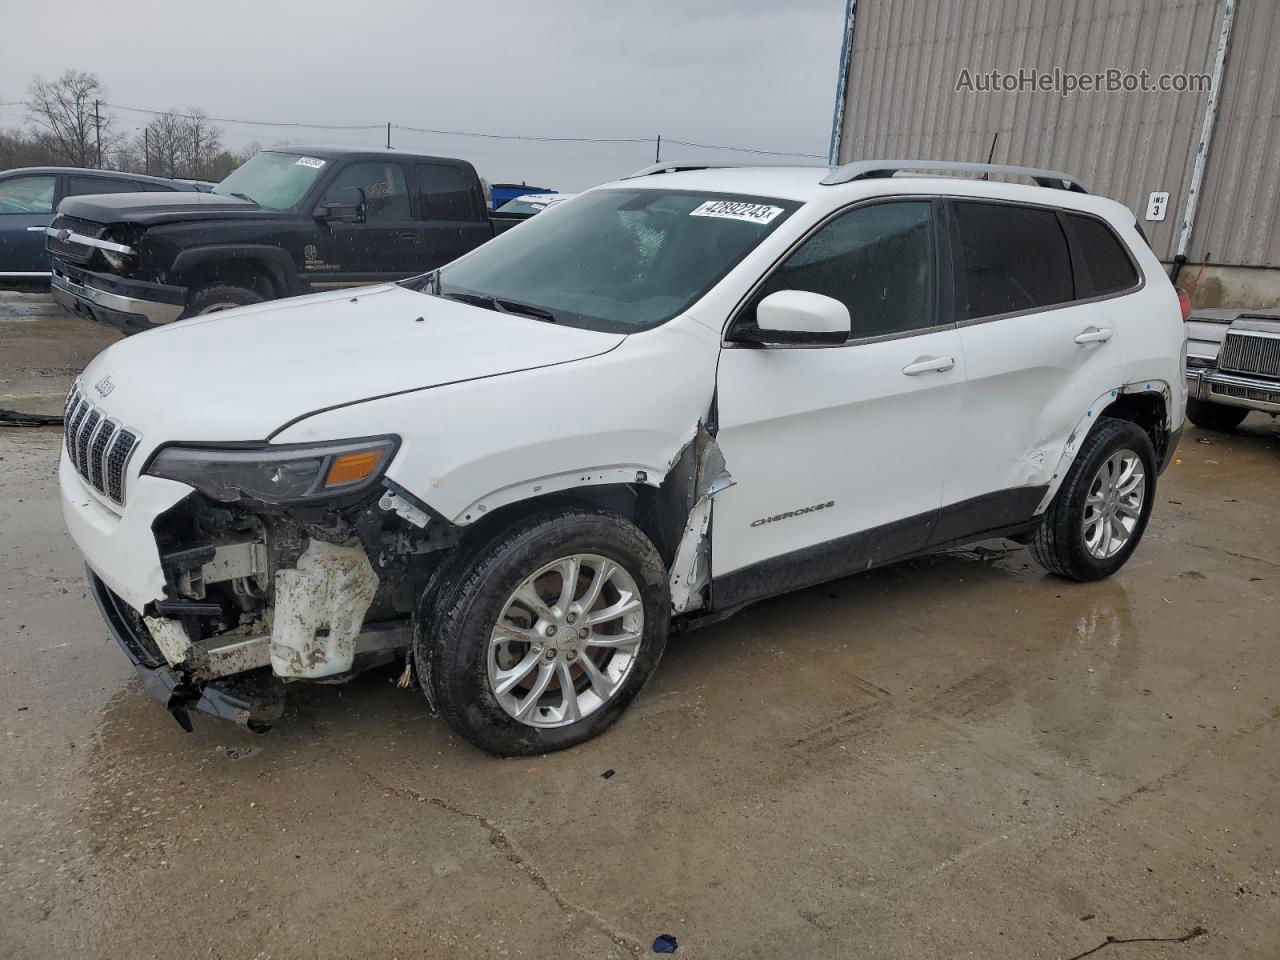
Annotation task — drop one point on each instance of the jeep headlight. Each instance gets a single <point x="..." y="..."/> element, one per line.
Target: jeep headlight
<point x="280" y="473"/>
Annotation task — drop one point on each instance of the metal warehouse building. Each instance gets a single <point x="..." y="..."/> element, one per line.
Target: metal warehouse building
<point x="916" y="82"/>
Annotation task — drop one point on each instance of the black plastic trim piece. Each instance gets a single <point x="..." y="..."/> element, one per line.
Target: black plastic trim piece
<point x="992" y="515"/>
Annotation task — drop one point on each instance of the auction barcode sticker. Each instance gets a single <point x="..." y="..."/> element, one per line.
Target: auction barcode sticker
<point x="309" y="162"/>
<point x="736" y="210"/>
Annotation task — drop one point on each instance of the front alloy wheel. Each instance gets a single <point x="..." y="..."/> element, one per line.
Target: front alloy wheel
<point x="566" y="641"/>
<point x="535" y="637"/>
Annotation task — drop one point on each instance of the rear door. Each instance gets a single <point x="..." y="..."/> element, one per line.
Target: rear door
<point x="451" y="208"/>
<point x="27" y="203"/>
<point x="1040" y="347"/>
<point x="387" y="246"/>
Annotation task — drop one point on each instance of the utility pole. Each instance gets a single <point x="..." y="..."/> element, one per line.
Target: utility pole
<point x="657" y="151"/>
<point x="388" y="134"/>
<point x="146" y="149"/>
<point x="97" y="125"/>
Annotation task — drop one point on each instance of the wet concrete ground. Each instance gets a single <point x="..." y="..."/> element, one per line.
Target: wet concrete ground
<point x="957" y="757"/>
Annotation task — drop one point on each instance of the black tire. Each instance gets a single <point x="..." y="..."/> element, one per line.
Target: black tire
<point x="1215" y="416"/>
<point x="1059" y="543"/>
<point x="466" y="598"/>
<point x="219" y="296"/>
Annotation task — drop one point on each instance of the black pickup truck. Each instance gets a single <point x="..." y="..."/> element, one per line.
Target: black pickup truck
<point x="291" y="220"/>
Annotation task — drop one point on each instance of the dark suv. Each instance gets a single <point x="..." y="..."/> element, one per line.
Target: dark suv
<point x="30" y="195"/>
<point x="291" y="220"/>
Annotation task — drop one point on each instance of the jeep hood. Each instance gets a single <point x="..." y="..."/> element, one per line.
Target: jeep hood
<point x="243" y="374"/>
<point x="149" y="209"/>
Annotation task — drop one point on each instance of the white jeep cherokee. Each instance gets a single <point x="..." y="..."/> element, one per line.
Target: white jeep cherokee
<point x="642" y="410"/>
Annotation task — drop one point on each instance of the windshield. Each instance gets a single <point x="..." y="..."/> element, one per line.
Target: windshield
<point x="522" y="206"/>
<point x="615" y="260"/>
<point x="276" y="181"/>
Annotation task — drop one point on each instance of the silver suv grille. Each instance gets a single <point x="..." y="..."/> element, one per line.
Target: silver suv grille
<point x="1250" y="353"/>
<point x="97" y="446"/>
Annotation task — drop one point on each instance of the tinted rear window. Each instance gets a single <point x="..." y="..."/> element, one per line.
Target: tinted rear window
<point x="1104" y="255"/>
<point x="446" y="192"/>
<point x="1014" y="258"/>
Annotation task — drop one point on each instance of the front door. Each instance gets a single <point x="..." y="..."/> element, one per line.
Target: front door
<point x="838" y="452"/>
<point x="385" y="247"/>
<point x="1037" y="357"/>
<point x="26" y="209"/>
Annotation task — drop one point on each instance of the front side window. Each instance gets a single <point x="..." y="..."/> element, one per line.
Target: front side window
<point x="32" y="194"/>
<point x="273" y="180"/>
<point x="385" y="194"/>
<point x="1014" y="259"/>
<point x="614" y="260"/>
<point x="447" y="193"/>
<point x="877" y="260"/>
<point x="1109" y="266"/>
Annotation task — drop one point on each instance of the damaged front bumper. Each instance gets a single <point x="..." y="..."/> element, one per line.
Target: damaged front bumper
<point x="254" y="700"/>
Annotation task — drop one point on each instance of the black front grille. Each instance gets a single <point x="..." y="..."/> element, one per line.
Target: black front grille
<point x="1250" y="353"/>
<point x="67" y="250"/>
<point x="97" y="446"/>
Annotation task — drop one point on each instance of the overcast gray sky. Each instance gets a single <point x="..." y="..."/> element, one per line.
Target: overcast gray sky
<point x="754" y="73"/>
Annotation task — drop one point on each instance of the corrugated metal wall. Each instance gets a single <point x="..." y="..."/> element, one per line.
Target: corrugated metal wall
<point x="1239" y="218"/>
<point x="902" y="102"/>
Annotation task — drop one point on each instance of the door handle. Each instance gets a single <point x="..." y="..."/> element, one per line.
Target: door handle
<point x="409" y="236"/>
<point x="1094" y="335"/>
<point x="929" y="365"/>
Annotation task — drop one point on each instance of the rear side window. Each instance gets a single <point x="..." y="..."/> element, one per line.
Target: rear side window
<point x="876" y="260"/>
<point x="1014" y="258"/>
<point x="79" y="186"/>
<point x="1109" y="266"/>
<point x="446" y="193"/>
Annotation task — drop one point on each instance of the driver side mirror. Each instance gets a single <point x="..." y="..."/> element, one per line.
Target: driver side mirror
<point x="799" y="317"/>
<point x="354" y="212"/>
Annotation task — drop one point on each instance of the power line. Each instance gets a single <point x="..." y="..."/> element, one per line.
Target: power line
<point x="465" y="133"/>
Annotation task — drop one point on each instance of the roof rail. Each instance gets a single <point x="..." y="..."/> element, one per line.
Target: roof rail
<point x="875" y="169"/>
<point x="675" y="167"/>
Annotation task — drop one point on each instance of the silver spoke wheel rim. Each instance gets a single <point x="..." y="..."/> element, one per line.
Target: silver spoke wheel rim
<point x="1114" y="504"/>
<point x="566" y="641"/>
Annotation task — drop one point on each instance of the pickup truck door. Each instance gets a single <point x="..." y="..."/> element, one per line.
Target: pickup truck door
<point x="27" y="203"/>
<point x="838" y="452"/>
<point x="452" y="214"/>
<point x="386" y="246"/>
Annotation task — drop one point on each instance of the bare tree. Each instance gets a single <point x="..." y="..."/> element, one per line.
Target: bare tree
<point x="69" y="119"/>
<point x="165" y="143"/>
<point x="203" y="143"/>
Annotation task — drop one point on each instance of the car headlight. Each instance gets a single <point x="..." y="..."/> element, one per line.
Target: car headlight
<point x="284" y="473"/>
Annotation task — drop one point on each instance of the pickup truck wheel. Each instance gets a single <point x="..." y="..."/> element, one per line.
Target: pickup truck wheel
<point x="540" y="638"/>
<point x="1215" y="416"/>
<point x="1098" y="516"/>
<point x="219" y="296"/>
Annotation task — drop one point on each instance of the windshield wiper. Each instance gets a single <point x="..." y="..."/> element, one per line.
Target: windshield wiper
<point x="241" y="196"/>
<point x="500" y="305"/>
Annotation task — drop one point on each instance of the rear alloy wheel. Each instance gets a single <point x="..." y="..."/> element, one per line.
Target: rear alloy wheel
<point x="540" y="637"/>
<point x="1215" y="416"/>
<point x="1098" y="516"/>
<point x="220" y="296"/>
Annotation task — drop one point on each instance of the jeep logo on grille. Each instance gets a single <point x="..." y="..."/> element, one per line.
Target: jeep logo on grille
<point x="104" y="386"/>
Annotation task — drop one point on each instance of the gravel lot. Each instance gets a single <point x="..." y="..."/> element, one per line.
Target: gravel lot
<point x="955" y="757"/>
